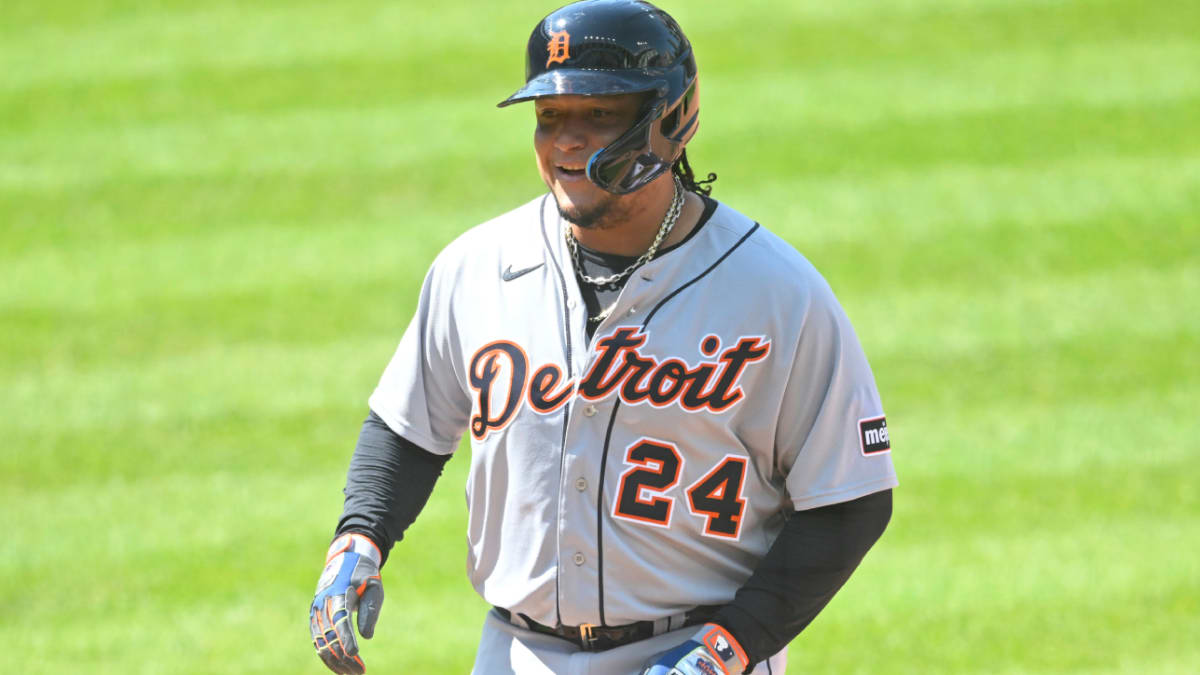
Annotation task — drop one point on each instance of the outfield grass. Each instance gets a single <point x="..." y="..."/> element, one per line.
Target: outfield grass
<point x="214" y="219"/>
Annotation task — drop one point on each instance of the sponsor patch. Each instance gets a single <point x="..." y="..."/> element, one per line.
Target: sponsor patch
<point x="873" y="435"/>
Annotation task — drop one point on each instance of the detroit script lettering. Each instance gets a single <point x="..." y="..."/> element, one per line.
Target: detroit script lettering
<point x="499" y="375"/>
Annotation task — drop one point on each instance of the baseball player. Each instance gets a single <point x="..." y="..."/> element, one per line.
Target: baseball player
<point x="678" y="453"/>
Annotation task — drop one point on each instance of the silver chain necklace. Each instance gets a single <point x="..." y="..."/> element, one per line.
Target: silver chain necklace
<point x="664" y="228"/>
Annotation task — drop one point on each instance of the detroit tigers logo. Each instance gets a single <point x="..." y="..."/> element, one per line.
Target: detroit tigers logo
<point x="499" y="374"/>
<point x="559" y="47"/>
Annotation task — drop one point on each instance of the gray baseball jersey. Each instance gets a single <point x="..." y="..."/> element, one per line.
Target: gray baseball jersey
<point x="647" y="470"/>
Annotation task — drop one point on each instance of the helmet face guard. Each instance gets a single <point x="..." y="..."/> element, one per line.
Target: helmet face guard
<point x="613" y="47"/>
<point x="649" y="148"/>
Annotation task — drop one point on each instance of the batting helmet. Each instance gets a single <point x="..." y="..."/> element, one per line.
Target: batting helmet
<point x="607" y="47"/>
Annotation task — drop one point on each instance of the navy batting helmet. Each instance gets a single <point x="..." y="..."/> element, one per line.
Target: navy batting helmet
<point x="607" y="47"/>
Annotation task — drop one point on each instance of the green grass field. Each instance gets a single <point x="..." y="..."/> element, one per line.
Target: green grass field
<point x="214" y="218"/>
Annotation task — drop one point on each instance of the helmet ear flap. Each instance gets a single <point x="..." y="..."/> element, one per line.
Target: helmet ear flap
<point x="679" y="125"/>
<point x="671" y="121"/>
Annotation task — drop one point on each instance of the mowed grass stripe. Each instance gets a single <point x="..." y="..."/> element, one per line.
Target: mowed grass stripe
<point x="249" y="145"/>
<point x="1051" y="374"/>
<point x="897" y="204"/>
<point x="826" y="92"/>
<point x="211" y="375"/>
<point x="1044" y="634"/>
<point x="1139" y="301"/>
<point x="1028" y="570"/>
<point x="979" y="596"/>
<point x="951" y="188"/>
<point x="1006" y="137"/>
<point x="198" y="263"/>
<point x="753" y="41"/>
<point x="850" y="96"/>
<point x="301" y="440"/>
<point x="251" y="149"/>
<point x="168" y="570"/>
<point x="59" y="17"/>
<point x="156" y="42"/>
<point x="80" y="339"/>
<point x="175" y="321"/>
<point x="1156" y="242"/>
<point x="962" y="435"/>
<point x="233" y="35"/>
<point x="823" y="86"/>
<point x="381" y="135"/>
<point x="1056" y="383"/>
<point x="1096" y="532"/>
<point x="1153" y="484"/>
<point x="198" y="385"/>
<point x="1072" y="437"/>
<point x="1030" y="466"/>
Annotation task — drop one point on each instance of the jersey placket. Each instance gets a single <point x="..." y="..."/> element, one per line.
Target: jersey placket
<point x="583" y="505"/>
<point x="583" y="502"/>
<point x="577" y="574"/>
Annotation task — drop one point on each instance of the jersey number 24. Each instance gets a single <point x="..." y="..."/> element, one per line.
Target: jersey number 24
<point x="654" y="470"/>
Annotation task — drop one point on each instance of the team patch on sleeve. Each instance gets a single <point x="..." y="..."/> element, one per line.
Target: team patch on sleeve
<point x="873" y="435"/>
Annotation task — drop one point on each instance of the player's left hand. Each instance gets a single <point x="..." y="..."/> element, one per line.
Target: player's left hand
<point x="712" y="651"/>
<point x="349" y="582"/>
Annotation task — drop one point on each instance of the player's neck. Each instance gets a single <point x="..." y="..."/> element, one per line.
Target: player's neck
<point x="631" y="228"/>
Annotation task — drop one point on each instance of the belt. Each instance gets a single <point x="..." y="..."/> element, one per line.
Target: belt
<point x="594" y="638"/>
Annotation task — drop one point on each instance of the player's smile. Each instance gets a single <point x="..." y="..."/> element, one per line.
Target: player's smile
<point x="570" y="129"/>
<point x="568" y="174"/>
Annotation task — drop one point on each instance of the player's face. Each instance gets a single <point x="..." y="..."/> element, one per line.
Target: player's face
<point x="570" y="129"/>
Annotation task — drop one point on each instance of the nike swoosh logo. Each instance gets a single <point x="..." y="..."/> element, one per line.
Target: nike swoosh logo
<point x="509" y="274"/>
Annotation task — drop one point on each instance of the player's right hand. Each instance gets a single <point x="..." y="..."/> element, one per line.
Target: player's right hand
<point x="349" y="582"/>
<point x="712" y="651"/>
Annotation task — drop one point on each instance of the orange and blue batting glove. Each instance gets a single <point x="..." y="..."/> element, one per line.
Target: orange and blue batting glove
<point x="711" y="651"/>
<point x="350" y="582"/>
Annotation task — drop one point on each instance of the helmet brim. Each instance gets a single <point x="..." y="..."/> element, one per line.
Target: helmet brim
<point x="577" y="82"/>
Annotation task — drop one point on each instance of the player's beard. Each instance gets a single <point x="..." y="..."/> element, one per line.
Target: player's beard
<point x="597" y="216"/>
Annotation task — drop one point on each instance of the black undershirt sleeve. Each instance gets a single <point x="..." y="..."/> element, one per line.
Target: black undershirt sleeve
<point x="389" y="482"/>
<point x="813" y="556"/>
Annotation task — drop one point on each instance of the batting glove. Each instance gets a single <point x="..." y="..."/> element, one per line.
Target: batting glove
<point x="712" y="651"/>
<point x="349" y="582"/>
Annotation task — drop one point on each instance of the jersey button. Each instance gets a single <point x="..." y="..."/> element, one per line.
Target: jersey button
<point x="580" y="484"/>
<point x="578" y="558"/>
<point x="590" y="410"/>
